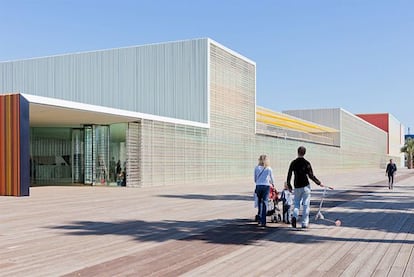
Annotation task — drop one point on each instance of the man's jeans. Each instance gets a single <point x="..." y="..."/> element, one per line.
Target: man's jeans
<point x="302" y="195"/>
<point x="262" y="196"/>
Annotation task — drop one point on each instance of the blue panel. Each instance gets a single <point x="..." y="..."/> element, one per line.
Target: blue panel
<point x="24" y="147"/>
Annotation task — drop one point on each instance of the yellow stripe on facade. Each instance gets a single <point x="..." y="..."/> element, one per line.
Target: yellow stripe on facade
<point x="287" y="122"/>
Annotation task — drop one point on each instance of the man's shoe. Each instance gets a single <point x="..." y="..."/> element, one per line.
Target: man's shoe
<point x="304" y="226"/>
<point x="294" y="222"/>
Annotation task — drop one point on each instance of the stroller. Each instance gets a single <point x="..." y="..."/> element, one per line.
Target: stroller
<point x="273" y="209"/>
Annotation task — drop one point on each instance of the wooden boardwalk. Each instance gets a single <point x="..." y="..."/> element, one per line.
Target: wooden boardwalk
<point x="207" y="231"/>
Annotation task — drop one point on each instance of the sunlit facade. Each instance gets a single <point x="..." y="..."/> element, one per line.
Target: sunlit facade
<point x="171" y="113"/>
<point x="394" y="130"/>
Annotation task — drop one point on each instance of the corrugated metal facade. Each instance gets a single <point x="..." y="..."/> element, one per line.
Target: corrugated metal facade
<point x="167" y="79"/>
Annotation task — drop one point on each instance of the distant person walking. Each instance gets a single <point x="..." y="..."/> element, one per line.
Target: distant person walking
<point x="391" y="169"/>
<point x="263" y="177"/>
<point x="302" y="170"/>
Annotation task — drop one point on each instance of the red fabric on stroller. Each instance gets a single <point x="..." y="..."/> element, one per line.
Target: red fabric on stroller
<point x="273" y="194"/>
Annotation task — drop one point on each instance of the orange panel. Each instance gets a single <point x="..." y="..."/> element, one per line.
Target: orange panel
<point x="2" y="146"/>
<point x="10" y="145"/>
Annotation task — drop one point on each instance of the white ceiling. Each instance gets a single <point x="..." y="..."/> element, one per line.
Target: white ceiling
<point x="47" y="115"/>
<point x="51" y="112"/>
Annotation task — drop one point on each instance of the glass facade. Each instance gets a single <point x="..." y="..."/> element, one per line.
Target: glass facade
<point x="117" y="154"/>
<point x="50" y="156"/>
<point x="78" y="155"/>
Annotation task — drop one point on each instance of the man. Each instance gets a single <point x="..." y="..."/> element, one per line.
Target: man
<point x="302" y="169"/>
<point x="391" y="169"/>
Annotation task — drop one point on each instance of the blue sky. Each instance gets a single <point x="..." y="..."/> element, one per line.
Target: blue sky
<point x="353" y="54"/>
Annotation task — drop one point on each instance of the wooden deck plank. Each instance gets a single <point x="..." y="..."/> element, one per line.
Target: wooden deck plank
<point x="409" y="268"/>
<point x="204" y="231"/>
<point x="389" y="263"/>
<point x="364" y="253"/>
<point x="334" y="261"/>
<point x="363" y="235"/>
<point x="401" y="261"/>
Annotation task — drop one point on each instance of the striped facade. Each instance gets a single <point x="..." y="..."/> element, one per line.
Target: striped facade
<point x="167" y="79"/>
<point x="179" y="154"/>
<point x="188" y="116"/>
<point x="14" y="145"/>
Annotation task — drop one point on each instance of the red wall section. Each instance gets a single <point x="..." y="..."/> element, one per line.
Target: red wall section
<point x="14" y="162"/>
<point x="380" y="120"/>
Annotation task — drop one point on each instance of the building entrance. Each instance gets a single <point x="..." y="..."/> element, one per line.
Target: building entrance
<point x="94" y="155"/>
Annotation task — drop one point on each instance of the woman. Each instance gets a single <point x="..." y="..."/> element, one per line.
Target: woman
<point x="263" y="177"/>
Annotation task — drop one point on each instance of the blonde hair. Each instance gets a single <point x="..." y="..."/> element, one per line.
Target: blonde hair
<point x="263" y="160"/>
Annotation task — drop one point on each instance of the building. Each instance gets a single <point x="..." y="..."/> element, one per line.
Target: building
<point x="361" y="144"/>
<point x="394" y="130"/>
<point x="171" y="113"/>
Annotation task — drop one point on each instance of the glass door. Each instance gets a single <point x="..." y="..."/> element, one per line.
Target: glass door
<point x="89" y="161"/>
<point x="77" y="156"/>
<point x="96" y="147"/>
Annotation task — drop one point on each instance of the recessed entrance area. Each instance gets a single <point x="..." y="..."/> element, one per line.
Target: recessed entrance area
<point x="92" y="154"/>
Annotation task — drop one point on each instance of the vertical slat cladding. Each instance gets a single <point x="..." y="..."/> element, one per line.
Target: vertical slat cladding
<point x="10" y="145"/>
<point x="16" y="144"/>
<point x="159" y="79"/>
<point x="188" y="155"/>
<point x="8" y="161"/>
<point x="2" y="145"/>
<point x="12" y="149"/>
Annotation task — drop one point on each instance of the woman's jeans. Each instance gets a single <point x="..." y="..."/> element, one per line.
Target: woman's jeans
<point x="302" y="195"/>
<point x="262" y="197"/>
